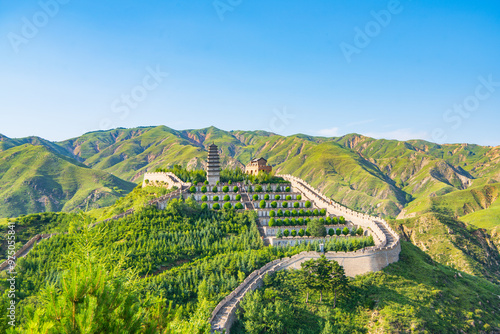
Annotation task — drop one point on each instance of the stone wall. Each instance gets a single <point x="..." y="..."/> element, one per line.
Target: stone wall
<point x="170" y="179"/>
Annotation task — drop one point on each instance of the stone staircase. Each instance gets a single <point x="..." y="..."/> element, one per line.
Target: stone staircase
<point x="249" y="205"/>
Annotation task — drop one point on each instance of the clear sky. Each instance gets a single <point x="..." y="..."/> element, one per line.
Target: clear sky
<point x="387" y="69"/>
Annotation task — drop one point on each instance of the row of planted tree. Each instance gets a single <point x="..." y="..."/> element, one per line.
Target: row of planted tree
<point x="301" y="221"/>
<point x="227" y="188"/>
<point x="308" y="232"/>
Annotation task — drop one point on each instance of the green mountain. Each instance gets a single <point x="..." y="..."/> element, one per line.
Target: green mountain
<point x="35" y="179"/>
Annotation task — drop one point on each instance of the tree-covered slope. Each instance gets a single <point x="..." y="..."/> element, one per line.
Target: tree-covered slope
<point x="35" y="179"/>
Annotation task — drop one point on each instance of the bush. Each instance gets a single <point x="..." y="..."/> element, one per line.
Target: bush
<point x="269" y="189"/>
<point x="341" y="220"/>
<point x="225" y="189"/>
<point x="360" y="231"/>
<point x="255" y="197"/>
<point x="338" y="232"/>
<point x="279" y="233"/>
<point x="287" y="189"/>
<point x="316" y="212"/>
<point x="294" y="233"/>
<point x="345" y="231"/>
<point x="274" y="204"/>
<point x="322" y="212"/>
<point x="214" y="189"/>
<point x="204" y="206"/>
<point x="258" y="188"/>
<point x="262" y="204"/>
<point x="236" y="189"/>
<point x="192" y="190"/>
<point x="308" y="213"/>
<point x="277" y="197"/>
<point x="204" y="189"/>
<point x="286" y="233"/>
<point x="272" y="213"/>
<point x="285" y="204"/>
<point x="331" y="232"/>
<point x="227" y="198"/>
<point x="293" y="221"/>
<point x="308" y="204"/>
<point x="238" y="206"/>
<point x="300" y="221"/>
<point x="206" y="182"/>
<point x="299" y="197"/>
<point x="316" y="228"/>
<point x="204" y="198"/>
<point x="280" y="213"/>
<point x="279" y="222"/>
<point x="296" y="205"/>
<point x="353" y="232"/>
<point x="250" y="190"/>
<point x="286" y="222"/>
<point x="272" y="222"/>
<point x="308" y="233"/>
<point x="322" y="220"/>
<point x="266" y="197"/>
<point x="216" y="206"/>
<point x="294" y="213"/>
<point x="328" y="220"/>
<point x="335" y="220"/>
<point x="301" y="232"/>
<point x="286" y="213"/>
<point x="238" y="197"/>
<point x="288" y="197"/>
<point x="215" y="199"/>
<point x="230" y="182"/>
<point x="302" y="212"/>
<point x="227" y="206"/>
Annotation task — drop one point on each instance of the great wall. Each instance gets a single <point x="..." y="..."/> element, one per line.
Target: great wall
<point x="386" y="250"/>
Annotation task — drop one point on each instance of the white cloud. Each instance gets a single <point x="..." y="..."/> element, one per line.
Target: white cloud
<point x="400" y="134"/>
<point x="333" y="132"/>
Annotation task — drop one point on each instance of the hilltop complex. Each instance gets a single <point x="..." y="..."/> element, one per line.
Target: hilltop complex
<point x="283" y="211"/>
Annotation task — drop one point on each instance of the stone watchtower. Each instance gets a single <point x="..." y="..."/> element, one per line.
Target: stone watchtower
<point x="213" y="165"/>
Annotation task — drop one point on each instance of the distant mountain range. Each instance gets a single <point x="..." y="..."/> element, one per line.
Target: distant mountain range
<point x="388" y="177"/>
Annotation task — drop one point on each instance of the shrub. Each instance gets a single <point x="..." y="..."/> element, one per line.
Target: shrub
<point x="296" y="205"/>
<point x="308" y="233"/>
<point x="316" y="212"/>
<point x="285" y="204"/>
<point x="238" y="197"/>
<point x="274" y="204"/>
<point x="215" y="199"/>
<point x="217" y="183"/>
<point x="279" y="233"/>
<point x="345" y="231"/>
<point x="277" y="197"/>
<point x="204" y="206"/>
<point x="299" y="197"/>
<point x="279" y="222"/>
<point x="272" y="213"/>
<point x="293" y="221"/>
<point x="294" y="233"/>
<point x="214" y="189"/>
<point x="255" y="197"/>
<point x="328" y="220"/>
<point x="192" y="190"/>
<point x="335" y="220"/>
<point x="230" y="182"/>
<point x="302" y="212"/>
<point x="286" y="213"/>
<point x="204" y="198"/>
<point x="258" y="188"/>
<point x="272" y="222"/>
<point x="308" y="213"/>
<point x="308" y="204"/>
<point x="262" y="204"/>
<point x="360" y="231"/>
<point x="216" y="206"/>
<point x="338" y="232"/>
<point x="286" y="222"/>
<point x="238" y="206"/>
<point x="236" y="189"/>
<point x="204" y="189"/>
<point x="322" y="212"/>
<point x="353" y="232"/>
<point x="331" y="232"/>
<point x="288" y="197"/>
<point x="307" y="220"/>
<point x="206" y="182"/>
<point x="301" y="232"/>
<point x="227" y="206"/>
<point x="287" y="189"/>
<point x="269" y="189"/>
<point x="322" y="221"/>
<point x="300" y="221"/>
<point x="294" y="213"/>
<point x="250" y="190"/>
<point x="286" y="233"/>
<point x="266" y="197"/>
<point x="227" y="198"/>
<point x="225" y="189"/>
<point x="341" y="220"/>
<point x="280" y="213"/>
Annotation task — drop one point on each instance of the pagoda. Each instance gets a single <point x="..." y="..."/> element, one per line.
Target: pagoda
<point x="213" y="165"/>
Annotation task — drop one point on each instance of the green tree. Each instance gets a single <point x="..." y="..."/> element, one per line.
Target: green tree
<point x="280" y="212"/>
<point x="216" y="206"/>
<point x="288" y="197"/>
<point x="294" y="233"/>
<point x="308" y="204"/>
<point x="331" y="232"/>
<point x="214" y="189"/>
<point x="266" y="197"/>
<point x="274" y="204"/>
<point x="299" y="197"/>
<point x="215" y="198"/>
<point x="255" y="197"/>
<point x="345" y="231"/>
<point x="204" y="189"/>
<point x="192" y="189"/>
<point x="236" y="189"/>
<point x="225" y="189"/>
<point x="272" y="213"/>
<point x="204" y="198"/>
<point x="262" y="204"/>
<point x="285" y="204"/>
<point x="277" y="197"/>
<point x="338" y="232"/>
<point x="360" y="231"/>
<point x="238" y="206"/>
<point x="296" y="205"/>
<point x="316" y="228"/>
<point x="238" y="197"/>
<point x="227" y="198"/>
<point x="301" y="232"/>
<point x="227" y="206"/>
<point x="272" y="222"/>
<point x="286" y="233"/>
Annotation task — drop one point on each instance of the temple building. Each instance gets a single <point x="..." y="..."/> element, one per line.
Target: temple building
<point x="213" y="165"/>
<point x="258" y="165"/>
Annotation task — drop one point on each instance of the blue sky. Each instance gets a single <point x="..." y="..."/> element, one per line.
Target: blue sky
<point x="387" y="69"/>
